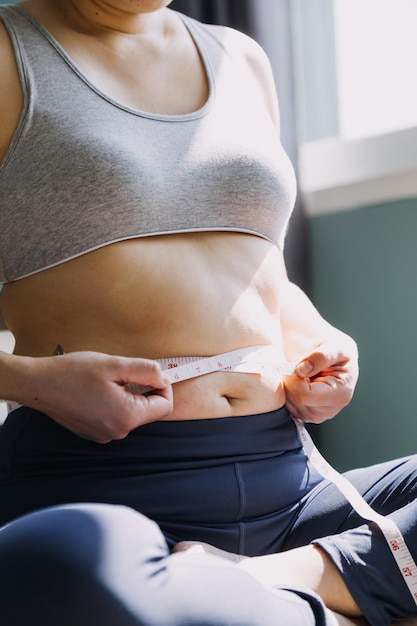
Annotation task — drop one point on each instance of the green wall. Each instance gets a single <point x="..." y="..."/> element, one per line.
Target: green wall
<point x="364" y="280"/>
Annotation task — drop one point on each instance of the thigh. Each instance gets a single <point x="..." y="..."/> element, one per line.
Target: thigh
<point x="109" y="565"/>
<point x="234" y="482"/>
<point x="387" y="487"/>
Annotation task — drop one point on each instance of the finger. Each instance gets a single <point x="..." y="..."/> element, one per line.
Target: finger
<point x="328" y="395"/>
<point x="157" y="405"/>
<point x="323" y="357"/>
<point x="328" y="391"/>
<point x="146" y="372"/>
<point x="316" y="415"/>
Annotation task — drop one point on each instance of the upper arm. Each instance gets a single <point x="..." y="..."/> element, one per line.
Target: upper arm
<point x="260" y="65"/>
<point x="257" y="63"/>
<point x="11" y="97"/>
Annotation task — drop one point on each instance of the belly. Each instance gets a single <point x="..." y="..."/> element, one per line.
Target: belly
<point x="177" y="295"/>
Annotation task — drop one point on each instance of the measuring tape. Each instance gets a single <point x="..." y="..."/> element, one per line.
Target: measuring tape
<point x="265" y="360"/>
<point x="253" y="360"/>
<point x="388" y="527"/>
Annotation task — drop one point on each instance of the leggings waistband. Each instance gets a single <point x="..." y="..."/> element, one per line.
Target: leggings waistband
<point x="199" y="440"/>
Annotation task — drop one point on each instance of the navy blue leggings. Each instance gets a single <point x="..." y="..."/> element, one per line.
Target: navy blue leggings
<point x="242" y="484"/>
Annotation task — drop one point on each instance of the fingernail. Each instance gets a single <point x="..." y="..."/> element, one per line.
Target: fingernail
<point x="304" y="368"/>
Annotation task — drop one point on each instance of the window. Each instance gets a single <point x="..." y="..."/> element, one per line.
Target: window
<point x="376" y="50"/>
<point x="358" y="58"/>
<point x="358" y="102"/>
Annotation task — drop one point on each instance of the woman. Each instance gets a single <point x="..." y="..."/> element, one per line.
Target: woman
<point x="145" y="199"/>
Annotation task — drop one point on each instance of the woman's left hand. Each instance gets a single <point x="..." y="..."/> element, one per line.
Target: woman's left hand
<point x="323" y="382"/>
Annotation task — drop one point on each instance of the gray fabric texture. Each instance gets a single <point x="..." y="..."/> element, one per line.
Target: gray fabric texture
<point x="275" y="25"/>
<point x="84" y="171"/>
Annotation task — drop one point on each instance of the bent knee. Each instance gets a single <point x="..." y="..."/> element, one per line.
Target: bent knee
<point x="74" y="536"/>
<point x="62" y="561"/>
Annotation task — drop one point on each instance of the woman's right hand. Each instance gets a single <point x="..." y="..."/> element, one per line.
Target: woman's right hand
<point x="90" y="393"/>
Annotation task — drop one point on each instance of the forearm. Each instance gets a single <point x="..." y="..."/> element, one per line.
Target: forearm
<point x="15" y="377"/>
<point x="327" y="359"/>
<point x="87" y="392"/>
<point x="303" y="328"/>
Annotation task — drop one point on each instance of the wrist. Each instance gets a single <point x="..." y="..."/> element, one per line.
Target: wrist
<point x="16" y="378"/>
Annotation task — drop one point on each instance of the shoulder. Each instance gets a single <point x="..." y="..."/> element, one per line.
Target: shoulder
<point x="238" y="44"/>
<point x="11" y="100"/>
<point x="248" y="51"/>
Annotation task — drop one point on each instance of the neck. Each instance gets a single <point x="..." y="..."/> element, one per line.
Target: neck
<point x="123" y="16"/>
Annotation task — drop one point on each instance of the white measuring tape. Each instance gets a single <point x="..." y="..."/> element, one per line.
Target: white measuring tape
<point x="253" y="360"/>
<point x="388" y="527"/>
<point x="264" y="360"/>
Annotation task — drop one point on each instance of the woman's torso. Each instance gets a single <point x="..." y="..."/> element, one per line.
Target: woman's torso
<point x="183" y="294"/>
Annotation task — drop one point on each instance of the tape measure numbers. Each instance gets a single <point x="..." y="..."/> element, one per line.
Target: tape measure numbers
<point x="265" y="360"/>
<point x="388" y="527"/>
<point x="252" y="360"/>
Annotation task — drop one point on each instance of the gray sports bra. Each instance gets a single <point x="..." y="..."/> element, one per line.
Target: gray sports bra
<point x="84" y="171"/>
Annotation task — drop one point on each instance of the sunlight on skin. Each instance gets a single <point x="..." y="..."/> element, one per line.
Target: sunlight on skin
<point x="268" y="578"/>
<point x="341" y="620"/>
<point x="307" y="566"/>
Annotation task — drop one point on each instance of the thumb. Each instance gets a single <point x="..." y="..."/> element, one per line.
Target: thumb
<point x="145" y="372"/>
<point x="323" y="356"/>
<point x="305" y="368"/>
